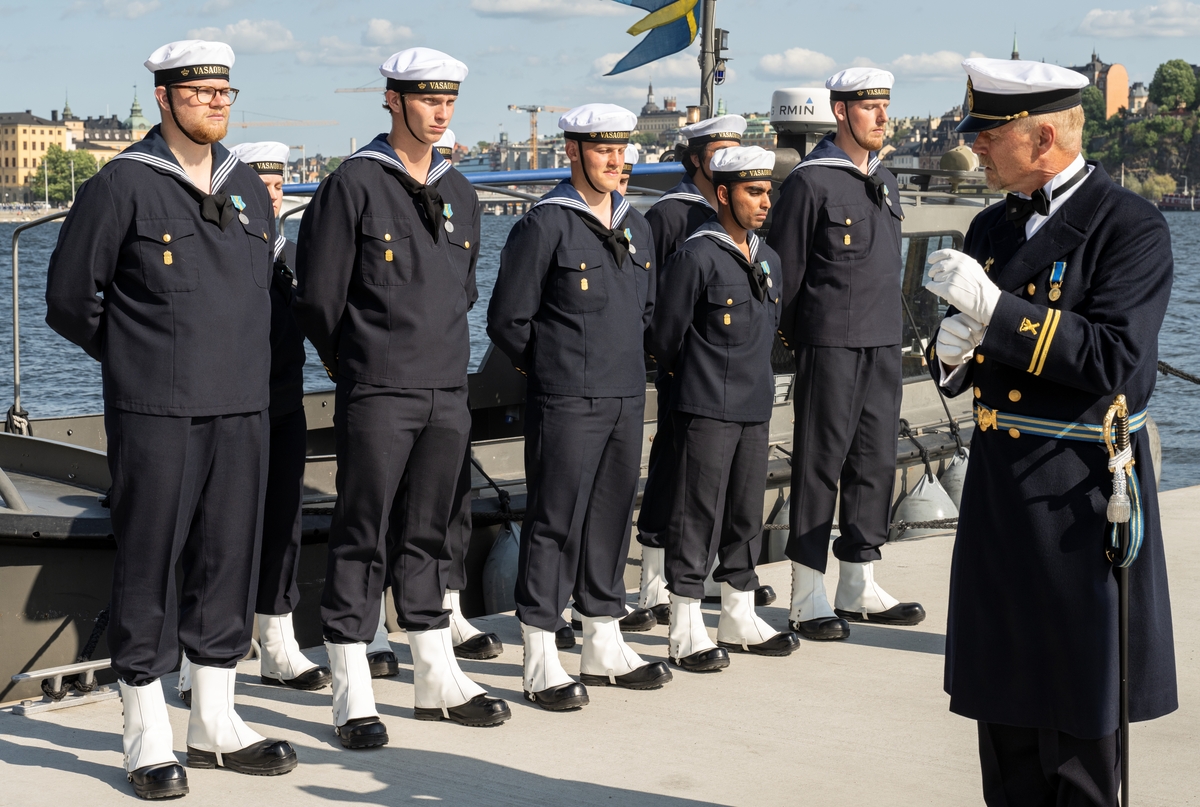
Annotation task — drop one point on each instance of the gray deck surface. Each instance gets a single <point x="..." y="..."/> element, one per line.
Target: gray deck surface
<point x="862" y="722"/>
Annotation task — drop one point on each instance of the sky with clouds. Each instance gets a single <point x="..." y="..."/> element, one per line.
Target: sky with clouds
<point x="291" y="56"/>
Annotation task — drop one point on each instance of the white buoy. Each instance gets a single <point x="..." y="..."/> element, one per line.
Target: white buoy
<point x="927" y="501"/>
<point x="954" y="474"/>
<point x="500" y="570"/>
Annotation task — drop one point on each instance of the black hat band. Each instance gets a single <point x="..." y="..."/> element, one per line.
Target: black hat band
<point x="267" y="167"/>
<point x="445" y="151"/>
<point x="174" y="75"/>
<point x="612" y="138"/>
<point x="423" y="87"/>
<point x="712" y="137"/>
<point x="628" y="169"/>
<point x="876" y="93"/>
<point x="993" y="107"/>
<point x="745" y="175"/>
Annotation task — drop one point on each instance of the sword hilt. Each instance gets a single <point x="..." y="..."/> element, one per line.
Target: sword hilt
<point x="1120" y="460"/>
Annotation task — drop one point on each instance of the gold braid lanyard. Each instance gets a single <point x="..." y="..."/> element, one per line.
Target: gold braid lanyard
<point x="1120" y="462"/>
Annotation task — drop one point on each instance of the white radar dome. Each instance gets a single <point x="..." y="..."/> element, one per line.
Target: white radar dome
<point x="802" y="110"/>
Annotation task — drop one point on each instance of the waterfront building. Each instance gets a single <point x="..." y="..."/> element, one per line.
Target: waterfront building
<point x="1111" y="79"/>
<point x="1138" y="96"/>
<point x="24" y="139"/>
<point x="659" y="122"/>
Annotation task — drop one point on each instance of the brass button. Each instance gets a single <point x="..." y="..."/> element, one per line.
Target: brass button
<point x="647" y="264"/>
<point x="166" y="238"/>
<point x="1014" y="395"/>
<point x="729" y="301"/>
<point x="848" y="222"/>
<point x="979" y="358"/>
<point x="1013" y="433"/>
<point x="466" y="244"/>
<point x="583" y="266"/>
<point x="387" y="236"/>
<point x="264" y="236"/>
<point x="1030" y="289"/>
<point x="978" y="392"/>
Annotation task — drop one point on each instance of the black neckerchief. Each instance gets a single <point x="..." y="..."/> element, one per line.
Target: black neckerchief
<point x="218" y="209"/>
<point x="1019" y="209"/>
<point x="428" y="201"/>
<point x="754" y="273"/>
<point x="614" y="241"/>
<point x="876" y="189"/>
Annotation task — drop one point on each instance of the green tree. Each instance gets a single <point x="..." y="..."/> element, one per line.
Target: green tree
<point x="59" y="164"/>
<point x="1173" y="85"/>
<point x="1155" y="185"/>
<point x="1093" y="105"/>
<point x="644" y="139"/>
<point x="331" y="164"/>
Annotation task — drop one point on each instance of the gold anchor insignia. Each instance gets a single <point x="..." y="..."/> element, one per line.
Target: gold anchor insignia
<point x="1029" y="327"/>
<point x="168" y="259"/>
<point x="970" y="96"/>
<point x="986" y="418"/>
<point x="421" y="86"/>
<point x="183" y="72"/>
<point x="987" y="265"/>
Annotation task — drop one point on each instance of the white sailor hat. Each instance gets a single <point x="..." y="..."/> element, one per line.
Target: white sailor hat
<point x="445" y="145"/>
<point x="190" y="59"/>
<point x="1003" y="90"/>
<point x="598" y="123"/>
<point x="722" y="127"/>
<point x="423" y="71"/>
<point x="742" y="164"/>
<point x="632" y="154"/>
<point x="859" y="84"/>
<point x="267" y="157"/>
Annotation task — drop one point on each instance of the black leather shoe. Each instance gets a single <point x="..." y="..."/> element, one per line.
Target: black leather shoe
<point x="662" y="614"/>
<point x="186" y="696"/>
<point x="902" y="613"/>
<point x="483" y="646"/>
<point x="481" y="712"/>
<point x="316" y="678"/>
<point x="781" y="644"/>
<point x="384" y="664"/>
<point x="822" y="629"/>
<point x="715" y="658"/>
<point x="564" y="637"/>
<point x="648" y="676"/>
<point x="362" y="732"/>
<point x="565" y="698"/>
<point x="636" y="621"/>
<point x="165" y="781"/>
<point x="264" y="758"/>
<point x="764" y="595"/>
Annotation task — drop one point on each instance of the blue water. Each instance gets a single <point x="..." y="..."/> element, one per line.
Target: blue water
<point x="57" y="378"/>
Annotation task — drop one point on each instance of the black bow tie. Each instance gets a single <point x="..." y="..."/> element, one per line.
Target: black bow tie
<point x="1019" y="209"/>
<point x="614" y="243"/>
<point x="218" y="209"/>
<point x="428" y="201"/>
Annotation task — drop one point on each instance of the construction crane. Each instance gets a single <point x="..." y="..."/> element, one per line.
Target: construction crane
<point x="361" y="89"/>
<point x="533" y="132"/>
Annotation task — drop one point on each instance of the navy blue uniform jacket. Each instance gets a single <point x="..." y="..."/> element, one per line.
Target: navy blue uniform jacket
<point x="711" y="332"/>
<point x="1032" y="630"/>
<point x="567" y="315"/>
<point x="287" y="341"/>
<point x="840" y="251"/>
<point x="382" y="301"/>
<point x="674" y="217"/>
<point x="176" y="309"/>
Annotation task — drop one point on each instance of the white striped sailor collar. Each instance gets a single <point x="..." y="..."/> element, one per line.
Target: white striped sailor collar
<point x="713" y="229"/>
<point x="381" y="150"/>
<point x="565" y="195"/>
<point x="154" y="152"/>
<point x="828" y="154"/>
<point x="685" y="191"/>
<point x="280" y="243"/>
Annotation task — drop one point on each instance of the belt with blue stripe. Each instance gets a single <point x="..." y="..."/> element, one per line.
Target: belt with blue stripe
<point x="986" y="418"/>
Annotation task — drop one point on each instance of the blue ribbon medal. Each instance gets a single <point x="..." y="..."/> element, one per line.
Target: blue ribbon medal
<point x="1056" y="279"/>
<point x="447" y="212"/>
<point x="629" y="241"/>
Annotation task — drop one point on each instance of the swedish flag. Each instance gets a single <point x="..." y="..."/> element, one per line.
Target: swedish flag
<point x="672" y="25"/>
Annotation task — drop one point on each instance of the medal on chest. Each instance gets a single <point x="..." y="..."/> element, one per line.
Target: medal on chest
<point x="241" y="206"/>
<point x="629" y="242"/>
<point x="448" y="212"/>
<point x="1056" y="280"/>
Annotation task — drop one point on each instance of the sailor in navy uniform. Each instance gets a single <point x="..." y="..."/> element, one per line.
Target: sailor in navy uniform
<point x="469" y="642"/>
<point x="572" y="299"/>
<point x="386" y="270"/>
<point x="1056" y="303"/>
<point x="837" y="232"/>
<point x="674" y="217"/>
<point x="632" y="155"/>
<point x="281" y="661"/>
<point x="713" y="335"/>
<point x="161" y="273"/>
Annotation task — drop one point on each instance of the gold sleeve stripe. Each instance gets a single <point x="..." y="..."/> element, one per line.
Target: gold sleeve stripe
<point x="1051" y="327"/>
<point x="1037" y="348"/>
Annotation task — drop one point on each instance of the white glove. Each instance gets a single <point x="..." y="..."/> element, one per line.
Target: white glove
<point x="959" y="280"/>
<point x="957" y="339"/>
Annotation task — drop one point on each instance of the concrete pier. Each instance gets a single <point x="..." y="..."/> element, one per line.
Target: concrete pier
<point x="849" y="723"/>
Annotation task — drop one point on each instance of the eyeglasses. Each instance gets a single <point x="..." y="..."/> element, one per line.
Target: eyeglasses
<point x="205" y="94"/>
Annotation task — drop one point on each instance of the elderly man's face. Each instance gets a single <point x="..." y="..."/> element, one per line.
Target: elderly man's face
<point x="1007" y="155"/>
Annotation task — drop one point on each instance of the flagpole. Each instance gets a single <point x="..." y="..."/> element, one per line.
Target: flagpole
<point x="708" y="57"/>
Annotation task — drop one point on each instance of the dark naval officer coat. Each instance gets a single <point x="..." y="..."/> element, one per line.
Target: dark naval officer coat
<point x="567" y="314"/>
<point x="287" y="341"/>
<point x="674" y="217"/>
<point x="183" y="324"/>
<point x="840" y="251"/>
<point x="712" y="333"/>
<point x="382" y="301"/>
<point x="1032" y="629"/>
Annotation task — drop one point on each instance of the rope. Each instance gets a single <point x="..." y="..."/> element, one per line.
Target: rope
<point x="501" y="493"/>
<point x="1167" y="369"/>
<point x="925" y="346"/>
<point x="17" y="421"/>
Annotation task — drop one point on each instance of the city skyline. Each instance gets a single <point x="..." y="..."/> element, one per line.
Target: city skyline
<point x="550" y="52"/>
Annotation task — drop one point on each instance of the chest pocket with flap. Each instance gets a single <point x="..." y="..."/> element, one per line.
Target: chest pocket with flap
<point x="848" y="232"/>
<point x="386" y="252"/>
<point x="167" y="252"/>
<point x="258" y="234"/>
<point x="579" y="286"/>
<point x="727" y="321"/>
